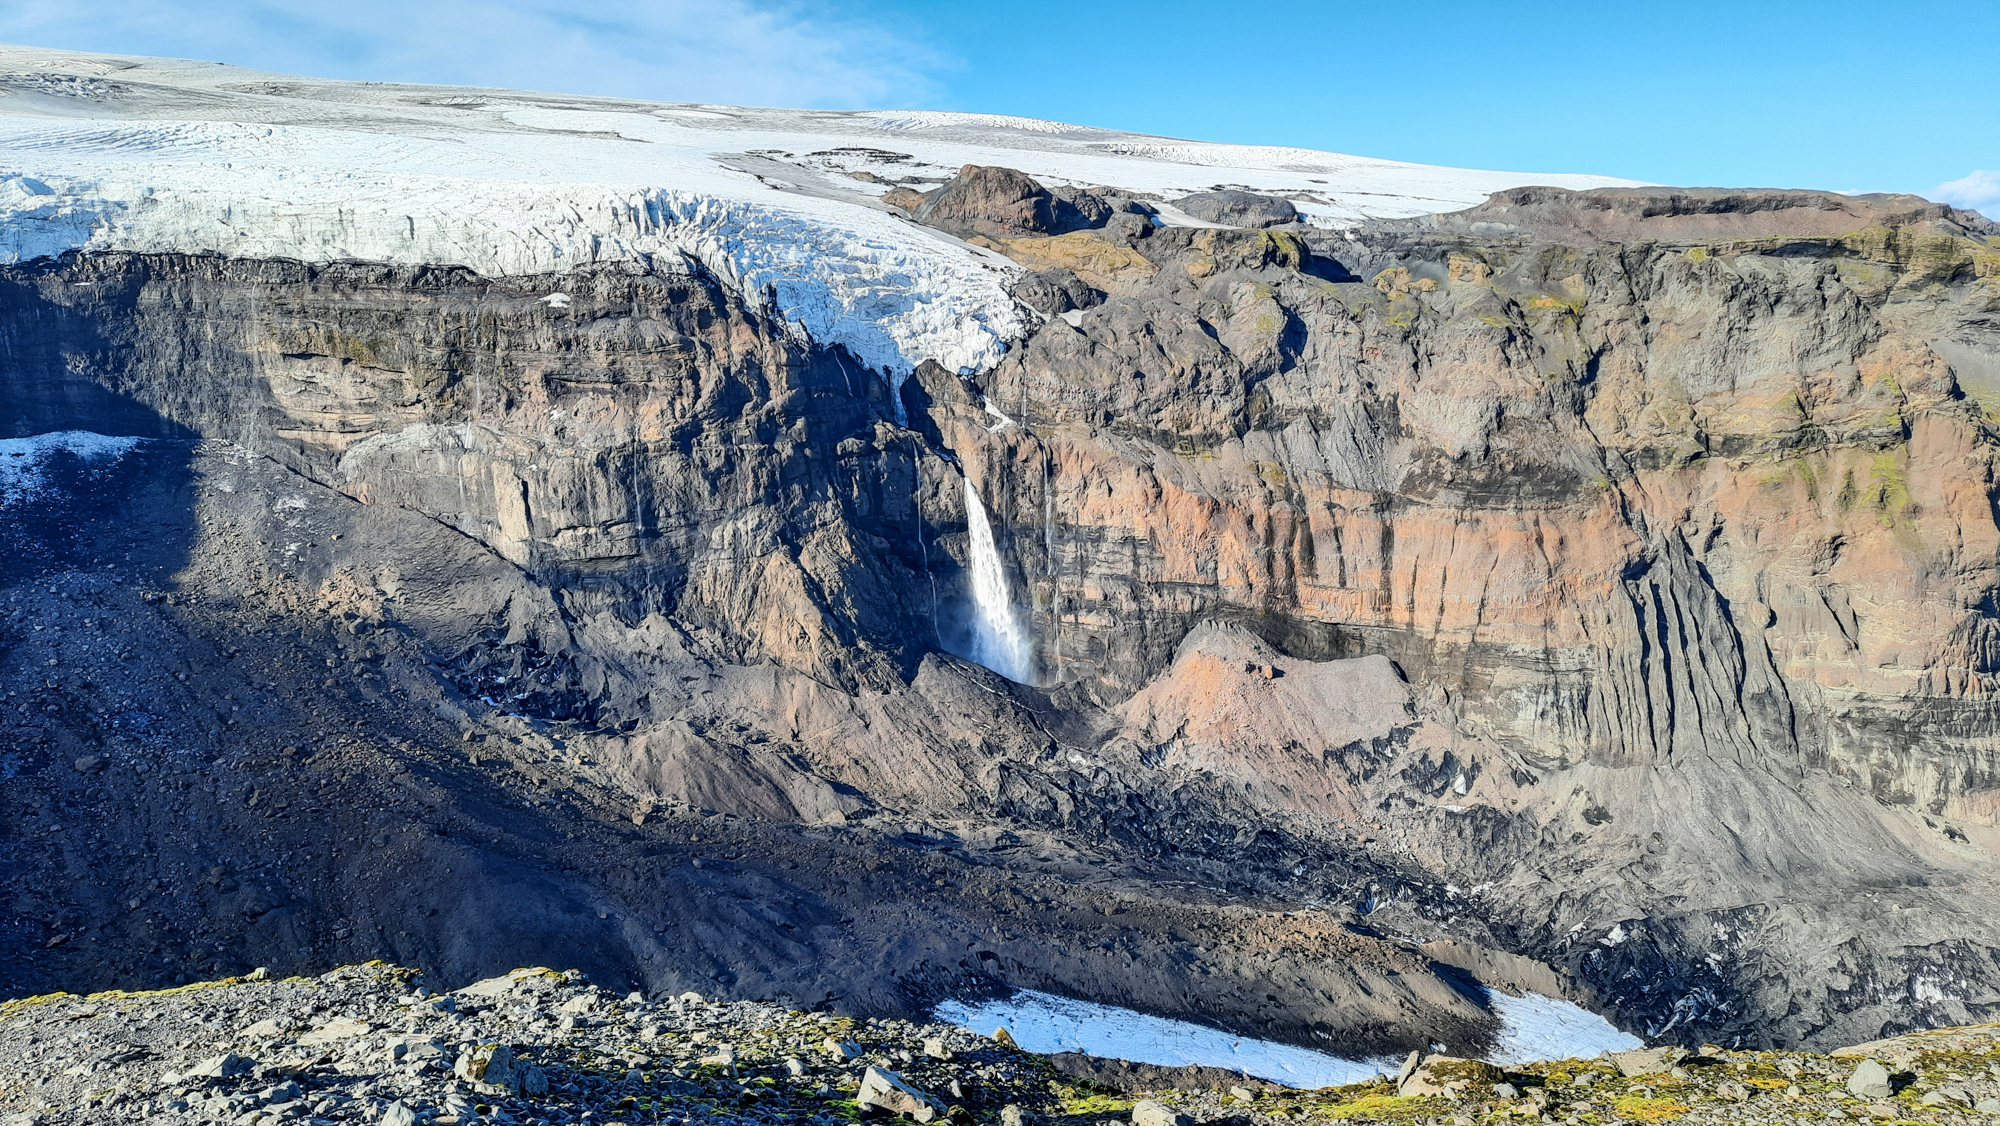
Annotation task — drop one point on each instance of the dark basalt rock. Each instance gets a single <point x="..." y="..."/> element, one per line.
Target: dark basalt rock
<point x="1699" y="215"/>
<point x="1054" y="292"/>
<point x="1238" y="209"/>
<point x="1003" y="203"/>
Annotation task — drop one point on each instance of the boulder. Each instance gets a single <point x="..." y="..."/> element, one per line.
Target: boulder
<point x="1410" y="1063"/>
<point x="1447" y="1075"/>
<point x="885" y="1091"/>
<point x="490" y="1069"/>
<point x="1646" y="1061"/>
<point x="840" y="1049"/>
<point x="336" y="1030"/>
<point x="270" y="1028"/>
<point x="413" y="1048"/>
<point x="1238" y="209"/>
<point x="534" y="979"/>
<point x="1147" y="1112"/>
<point x="224" y="1066"/>
<point x="1869" y="1081"/>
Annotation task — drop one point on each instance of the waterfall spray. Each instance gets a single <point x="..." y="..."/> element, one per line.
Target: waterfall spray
<point x="1000" y="639"/>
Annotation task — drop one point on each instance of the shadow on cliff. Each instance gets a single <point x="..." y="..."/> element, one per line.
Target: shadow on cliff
<point x="69" y="503"/>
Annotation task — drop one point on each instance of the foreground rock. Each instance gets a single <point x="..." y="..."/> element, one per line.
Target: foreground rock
<point x="372" y="1044"/>
<point x="536" y="1047"/>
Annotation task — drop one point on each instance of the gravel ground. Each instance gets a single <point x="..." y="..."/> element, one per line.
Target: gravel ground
<point x="372" y="1044"/>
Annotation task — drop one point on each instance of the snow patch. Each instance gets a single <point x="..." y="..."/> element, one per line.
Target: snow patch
<point x="1533" y="1027"/>
<point x="1044" y="1022"/>
<point x="24" y="462"/>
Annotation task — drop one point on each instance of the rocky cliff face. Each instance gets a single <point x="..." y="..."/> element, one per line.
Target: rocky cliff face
<point x="1602" y="578"/>
<point x="1675" y="509"/>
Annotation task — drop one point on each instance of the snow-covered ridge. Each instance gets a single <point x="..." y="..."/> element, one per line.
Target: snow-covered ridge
<point x="123" y="153"/>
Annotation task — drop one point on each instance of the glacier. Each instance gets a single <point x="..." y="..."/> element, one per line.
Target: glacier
<point x="121" y="153"/>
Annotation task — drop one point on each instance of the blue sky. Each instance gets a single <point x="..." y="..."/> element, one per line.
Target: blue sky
<point x="1832" y="94"/>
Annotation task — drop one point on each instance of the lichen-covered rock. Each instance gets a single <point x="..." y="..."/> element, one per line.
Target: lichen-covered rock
<point x="1447" y="1075"/>
<point x="1647" y="1061"/>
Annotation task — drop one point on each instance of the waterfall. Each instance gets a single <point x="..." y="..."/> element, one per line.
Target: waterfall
<point x="1000" y="639"/>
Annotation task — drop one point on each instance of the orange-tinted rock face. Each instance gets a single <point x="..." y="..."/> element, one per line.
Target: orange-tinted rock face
<point x="1619" y="503"/>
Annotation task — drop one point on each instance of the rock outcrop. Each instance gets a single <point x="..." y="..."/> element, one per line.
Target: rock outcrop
<point x="1003" y="203"/>
<point x="1238" y="209"/>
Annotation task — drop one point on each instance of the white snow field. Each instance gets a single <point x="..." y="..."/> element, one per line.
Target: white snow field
<point x="113" y="152"/>
<point x="1533" y="1027"/>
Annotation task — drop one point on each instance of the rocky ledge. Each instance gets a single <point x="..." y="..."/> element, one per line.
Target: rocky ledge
<point x="372" y="1044"/>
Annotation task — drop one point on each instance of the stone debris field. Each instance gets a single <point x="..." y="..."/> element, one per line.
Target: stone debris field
<point x="372" y="1044"/>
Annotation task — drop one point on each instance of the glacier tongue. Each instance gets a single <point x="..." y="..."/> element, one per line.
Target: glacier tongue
<point x="108" y="152"/>
<point x="887" y="290"/>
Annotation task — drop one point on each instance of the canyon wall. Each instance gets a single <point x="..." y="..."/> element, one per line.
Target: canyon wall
<point x="1603" y="577"/>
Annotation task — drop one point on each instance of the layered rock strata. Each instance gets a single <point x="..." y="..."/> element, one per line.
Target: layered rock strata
<point x="1601" y="579"/>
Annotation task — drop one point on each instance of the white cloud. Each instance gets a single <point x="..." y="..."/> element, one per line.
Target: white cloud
<point x="1979" y="191"/>
<point x="758" y="52"/>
